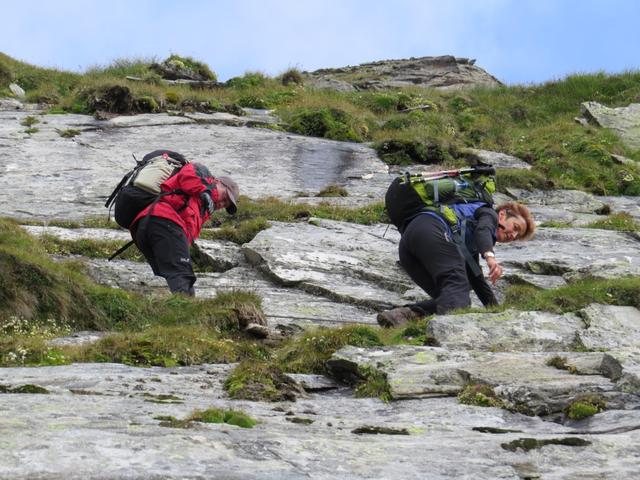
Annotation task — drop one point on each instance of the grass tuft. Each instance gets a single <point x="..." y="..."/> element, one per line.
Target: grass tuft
<point x="479" y="395"/>
<point x="585" y="406"/>
<point x="217" y="415"/>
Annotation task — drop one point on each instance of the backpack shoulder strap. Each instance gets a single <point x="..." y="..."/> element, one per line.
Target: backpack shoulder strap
<point x="458" y="239"/>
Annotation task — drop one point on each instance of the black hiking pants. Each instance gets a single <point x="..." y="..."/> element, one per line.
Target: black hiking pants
<point x="165" y="246"/>
<point x="432" y="260"/>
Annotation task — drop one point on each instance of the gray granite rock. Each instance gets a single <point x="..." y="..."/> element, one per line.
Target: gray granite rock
<point x="17" y="90"/>
<point x="625" y="121"/>
<point x="525" y="382"/>
<point x="589" y="364"/>
<point x="102" y="421"/>
<point x="77" y="338"/>
<point x="610" y="327"/>
<point x="497" y="159"/>
<point x="572" y="207"/>
<point x="349" y="262"/>
<point x="573" y="253"/>
<point x="507" y="331"/>
<point x="312" y="383"/>
<point x="98" y="420"/>
<point x="10" y="104"/>
<point x="218" y="255"/>
<point x="630" y="205"/>
<point x="74" y="234"/>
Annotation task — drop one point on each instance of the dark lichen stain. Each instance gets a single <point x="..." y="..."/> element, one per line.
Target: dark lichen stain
<point x="374" y="430"/>
<point x="528" y="444"/>
<point x="494" y="430"/>
<point x="23" y="389"/>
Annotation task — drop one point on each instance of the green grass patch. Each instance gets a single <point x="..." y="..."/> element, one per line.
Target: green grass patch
<point x="375" y="384"/>
<point x="412" y="334"/>
<point x="572" y="297"/>
<point x="31" y="349"/>
<point x="40" y="299"/>
<point x="28" y="388"/>
<point x="329" y="123"/>
<point x="307" y="353"/>
<point x="408" y="152"/>
<point x="210" y="415"/>
<point x="258" y="381"/>
<point x="6" y="76"/>
<point x="621" y="222"/>
<point x="585" y="406"/>
<point x="88" y="222"/>
<point x="69" y="133"/>
<point x="217" y="415"/>
<point x="165" y="346"/>
<point x="29" y="121"/>
<point x="333" y="191"/>
<point x="237" y="231"/>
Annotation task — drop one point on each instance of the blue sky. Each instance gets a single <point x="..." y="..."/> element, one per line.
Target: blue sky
<point x="518" y="41"/>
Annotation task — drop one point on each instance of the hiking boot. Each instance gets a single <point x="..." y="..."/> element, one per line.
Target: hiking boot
<point x="396" y="317"/>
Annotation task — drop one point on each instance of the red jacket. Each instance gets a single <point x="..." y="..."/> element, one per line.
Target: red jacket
<point x="192" y="180"/>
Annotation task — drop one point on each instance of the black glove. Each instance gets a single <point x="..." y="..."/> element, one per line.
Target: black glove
<point x="207" y="203"/>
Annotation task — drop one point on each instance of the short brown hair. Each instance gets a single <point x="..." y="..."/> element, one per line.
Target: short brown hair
<point x="515" y="209"/>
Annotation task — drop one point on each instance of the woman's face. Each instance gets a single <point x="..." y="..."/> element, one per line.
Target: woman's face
<point x="510" y="228"/>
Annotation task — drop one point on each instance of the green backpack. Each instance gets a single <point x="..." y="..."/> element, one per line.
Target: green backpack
<point x="454" y="195"/>
<point x="440" y="192"/>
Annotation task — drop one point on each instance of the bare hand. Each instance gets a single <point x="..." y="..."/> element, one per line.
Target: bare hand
<point x="495" y="270"/>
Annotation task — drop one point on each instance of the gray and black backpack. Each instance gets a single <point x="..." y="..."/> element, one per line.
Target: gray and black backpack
<point x="140" y="187"/>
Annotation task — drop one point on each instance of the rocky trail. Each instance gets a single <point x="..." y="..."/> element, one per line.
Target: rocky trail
<point x="105" y="421"/>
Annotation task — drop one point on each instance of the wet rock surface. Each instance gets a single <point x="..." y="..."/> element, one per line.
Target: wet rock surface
<point x="46" y="176"/>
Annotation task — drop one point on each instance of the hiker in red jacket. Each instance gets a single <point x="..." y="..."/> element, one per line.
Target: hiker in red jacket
<point x="165" y="229"/>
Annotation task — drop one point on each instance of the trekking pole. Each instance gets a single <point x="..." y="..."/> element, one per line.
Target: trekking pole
<point x="452" y="173"/>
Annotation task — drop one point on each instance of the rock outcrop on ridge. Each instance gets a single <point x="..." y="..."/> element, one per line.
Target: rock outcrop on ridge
<point x="443" y="72"/>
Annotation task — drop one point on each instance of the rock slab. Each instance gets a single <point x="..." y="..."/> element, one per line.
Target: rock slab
<point x="625" y="121"/>
<point x="443" y="72"/>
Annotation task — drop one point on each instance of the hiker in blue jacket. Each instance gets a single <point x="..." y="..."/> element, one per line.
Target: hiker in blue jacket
<point x="432" y="259"/>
